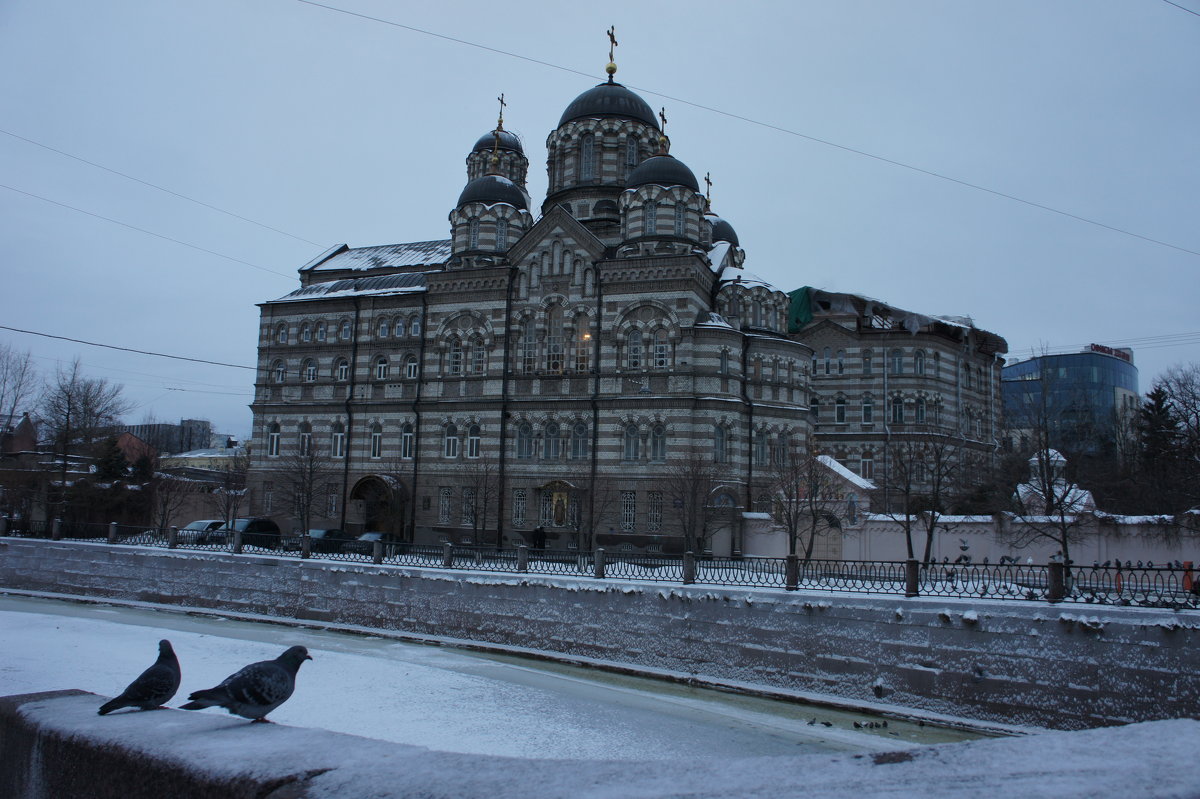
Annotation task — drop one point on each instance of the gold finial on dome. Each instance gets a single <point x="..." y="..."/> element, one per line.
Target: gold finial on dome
<point x="611" y="67"/>
<point x="664" y="144"/>
<point x="494" y="161"/>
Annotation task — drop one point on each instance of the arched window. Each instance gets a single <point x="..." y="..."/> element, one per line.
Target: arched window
<point x="587" y="157"/>
<point x="633" y="349"/>
<point x="650" y="212"/>
<point x="278" y="372"/>
<point x="337" y="440"/>
<point x="304" y="440"/>
<point x="723" y="366"/>
<point x="920" y="410"/>
<point x="579" y="442"/>
<point x="680" y="220"/>
<point x="553" y="443"/>
<point x="305" y="333"/>
<point x="966" y="370"/>
<point x="841" y="362"/>
<point x="501" y="234"/>
<point x="384" y="328"/>
<point x="345" y="330"/>
<point x="527" y="349"/>
<point x="473" y="439"/>
<point x="450" y="441"/>
<point x="455" y="357"/>
<point x="720" y="445"/>
<point x="868" y="410"/>
<point x="398" y="327"/>
<point x="524" y="441"/>
<point x="662" y="350"/>
<point x="937" y="365"/>
<point x="478" y="356"/>
<point x="583" y="346"/>
<point x="632" y="443"/>
<point x="760" y="448"/>
<point x="839" y="410"/>
<point x="381" y="368"/>
<point x="321" y="331"/>
<point x="309" y="371"/>
<point x="407" y="441"/>
<point x="919" y="362"/>
<point x="414" y="326"/>
<point x="554" y="341"/>
<point x="756" y="320"/>
<point x="281" y="334"/>
<point x="897" y="410"/>
<point x="658" y="443"/>
<point x="631" y="154"/>
<point x="897" y="362"/>
<point x="868" y="362"/>
<point x="273" y="440"/>
<point x="411" y="370"/>
<point x="473" y="234"/>
<point x="376" y="441"/>
<point x="342" y="370"/>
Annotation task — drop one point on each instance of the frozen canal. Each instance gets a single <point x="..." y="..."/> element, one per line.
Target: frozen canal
<point x="440" y="698"/>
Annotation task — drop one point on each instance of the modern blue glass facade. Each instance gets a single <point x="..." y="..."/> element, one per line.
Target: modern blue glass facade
<point x="1076" y="397"/>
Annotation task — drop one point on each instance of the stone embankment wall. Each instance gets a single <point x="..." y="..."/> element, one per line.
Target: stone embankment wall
<point x="1062" y="666"/>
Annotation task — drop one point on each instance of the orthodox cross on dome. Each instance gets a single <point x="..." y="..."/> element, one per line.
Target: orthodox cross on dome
<point x="494" y="168"/>
<point x="707" y="189"/>
<point x="664" y="144"/>
<point x="611" y="68"/>
<point x="500" y="121"/>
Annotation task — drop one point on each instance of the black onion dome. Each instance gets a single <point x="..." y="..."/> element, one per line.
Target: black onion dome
<point x="508" y="141"/>
<point x="722" y="230"/>
<point x="662" y="170"/>
<point x="609" y="100"/>
<point x="492" y="189"/>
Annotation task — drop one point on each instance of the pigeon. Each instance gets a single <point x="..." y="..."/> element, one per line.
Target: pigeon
<point x="255" y="690"/>
<point x="154" y="687"/>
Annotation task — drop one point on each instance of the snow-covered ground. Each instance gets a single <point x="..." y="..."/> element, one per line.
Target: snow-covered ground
<point x="443" y="699"/>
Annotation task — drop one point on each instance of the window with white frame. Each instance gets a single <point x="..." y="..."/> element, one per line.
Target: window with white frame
<point x="583" y="347"/>
<point x="398" y="327"/>
<point x="450" y="441"/>
<point x="473" y="439"/>
<point x="273" y="440"/>
<point x="866" y="466"/>
<point x="281" y="334"/>
<point x="919" y="362"/>
<point x="552" y="449"/>
<point x="631" y="450"/>
<point x="662" y="350"/>
<point x="520" y="499"/>
<point x="658" y="443"/>
<point x="527" y="349"/>
<point x="579" y="442"/>
<point x="897" y="410"/>
<point x="546" y="509"/>
<point x="310" y="371"/>
<point x="414" y="326"/>
<point x="445" y="504"/>
<point x="337" y="440"/>
<point x="305" y="333"/>
<point x="279" y="372"/>
<point x="304" y="440"/>
<point x="343" y="370"/>
<point x="321" y="333"/>
<point x="345" y="330"/>
<point x="376" y="441"/>
<point x="455" y="357"/>
<point x="920" y="410"/>
<point x="650" y="211"/>
<point x="760" y="448"/>
<point x="633" y="349"/>
<point x="407" y="441"/>
<point x="384" y="328"/>
<point x="654" y="511"/>
<point x="628" y="510"/>
<point x="897" y="362"/>
<point x="478" y="356"/>
<point x="410" y="367"/>
<point x="381" y="368"/>
<point x="468" y="506"/>
<point x="554" y="341"/>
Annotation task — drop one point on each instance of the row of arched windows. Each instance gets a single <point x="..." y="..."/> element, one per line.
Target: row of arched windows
<point x="830" y="362"/>
<point x="343" y="330"/>
<point x="900" y="410"/>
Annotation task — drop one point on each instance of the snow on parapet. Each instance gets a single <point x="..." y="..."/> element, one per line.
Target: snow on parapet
<point x="413" y="253"/>
<point x="847" y="475"/>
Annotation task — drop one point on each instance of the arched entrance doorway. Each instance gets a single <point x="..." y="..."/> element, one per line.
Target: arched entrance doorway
<point x="378" y="503"/>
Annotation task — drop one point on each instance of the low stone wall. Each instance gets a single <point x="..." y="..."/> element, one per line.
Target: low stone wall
<point x="1023" y="663"/>
<point x="55" y="745"/>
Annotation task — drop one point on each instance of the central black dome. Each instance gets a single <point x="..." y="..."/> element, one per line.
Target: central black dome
<point x="492" y="189"/>
<point x="508" y="141"/>
<point x="609" y="100"/>
<point x="662" y="170"/>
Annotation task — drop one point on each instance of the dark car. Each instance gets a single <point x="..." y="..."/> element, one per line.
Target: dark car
<point x="199" y="531"/>
<point x="364" y="544"/>
<point x="323" y="540"/>
<point x="261" y="533"/>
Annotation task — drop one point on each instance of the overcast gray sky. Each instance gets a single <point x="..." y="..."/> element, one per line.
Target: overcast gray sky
<point x="334" y="128"/>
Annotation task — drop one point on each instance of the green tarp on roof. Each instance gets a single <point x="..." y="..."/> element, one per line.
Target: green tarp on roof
<point x="800" y="311"/>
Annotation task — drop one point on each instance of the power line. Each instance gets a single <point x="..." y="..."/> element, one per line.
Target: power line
<point x="147" y="232"/>
<point x="160" y="188"/>
<point x="769" y="126"/>
<point x="125" y="349"/>
<point x="1182" y="8"/>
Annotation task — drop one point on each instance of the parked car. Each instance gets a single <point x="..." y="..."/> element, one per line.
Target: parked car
<point x="324" y="540"/>
<point x="262" y="533"/>
<point x="364" y="544"/>
<point x="199" y="531"/>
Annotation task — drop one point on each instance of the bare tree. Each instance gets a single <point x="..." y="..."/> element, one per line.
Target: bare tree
<point x="303" y="475"/>
<point x="481" y="495"/>
<point x="170" y="494"/>
<point x="689" y="482"/>
<point x="598" y="508"/>
<point x="18" y="384"/>
<point x="227" y="498"/>
<point x="929" y="472"/>
<point x="804" y="493"/>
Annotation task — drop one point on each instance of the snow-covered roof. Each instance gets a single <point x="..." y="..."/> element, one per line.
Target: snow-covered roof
<point x="413" y="253"/>
<point x="847" y="475"/>
<point x="210" y="452"/>
<point x="402" y="283"/>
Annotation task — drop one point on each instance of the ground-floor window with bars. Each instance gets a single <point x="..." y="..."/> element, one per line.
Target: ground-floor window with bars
<point x="628" y="510"/>
<point x="654" y="511"/>
<point x="520" y="497"/>
<point x="445" y="504"/>
<point x="468" y="506"/>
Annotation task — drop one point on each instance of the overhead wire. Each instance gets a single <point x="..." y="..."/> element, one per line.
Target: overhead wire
<point x="126" y="349"/>
<point x="769" y="126"/>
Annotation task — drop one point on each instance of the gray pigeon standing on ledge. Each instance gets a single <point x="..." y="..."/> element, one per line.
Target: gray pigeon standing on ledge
<point x="255" y="690"/>
<point x="154" y="687"/>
